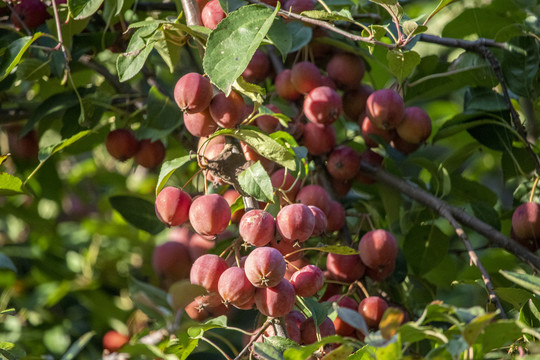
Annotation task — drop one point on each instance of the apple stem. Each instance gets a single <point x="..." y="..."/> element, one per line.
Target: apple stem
<point x="531" y="197"/>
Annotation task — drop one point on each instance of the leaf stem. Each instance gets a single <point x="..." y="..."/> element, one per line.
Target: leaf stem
<point x="254" y="338"/>
<point x="531" y="197"/>
<point x="216" y="347"/>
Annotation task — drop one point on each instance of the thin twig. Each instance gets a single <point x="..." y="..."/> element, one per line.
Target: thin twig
<point x="327" y="25"/>
<point x="254" y="338"/>
<point x="464" y="218"/>
<point x="474" y="259"/>
<point x="216" y="347"/>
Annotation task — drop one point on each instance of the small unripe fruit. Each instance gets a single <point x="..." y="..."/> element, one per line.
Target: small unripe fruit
<point x="234" y="287"/>
<point x="113" y="340"/>
<point x="265" y="267"/>
<point x="354" y="101"/>
<point x="343" y="163"/>
<point x="275" y="301"/>
<point x="336" y="216"/>
<point x="171" y="261"/>
<point x="150" y="154"/>
<point x="121" y="144"/>
<point x="415" y="127"/>
<point x="319" y="139"/>
<point x="374" y="135"/>
<point x="526" y="221"/>
<point x="284" y="180"/>
<point x="305" y="77"/>
<point x="347" y="268"/>
<point x="284" y="86"/>
<point x="298" y="6"/>
<point x="172" y="206"/>
<point x="378" y="248"/>
<point x="314" y="195"/>
<point x="385" y="108"/>
<point x="200" y="124"/>
<point x="321" y="222"/>
<point x="295" y="222"/>
<point x="322" y="105"/>
<point x="258" y="68"/>
<point x="257" y="227"/>
<point x="212" y="14"/>
<point x="209" y="214"/>
<point x="193" y="93"/>
<point x="342" y="328"/>
<point x="206" y="271"/>
<point x="347" y="70"/>
<point x="227" y="111"/>
<point x="307" y="281"/>
<point x="309" y="334"/>
<point x="372" y="309"/>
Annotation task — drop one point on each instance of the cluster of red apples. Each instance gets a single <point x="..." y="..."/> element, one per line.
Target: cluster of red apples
<point x="122" y="145"/>
<point x="275" y="272"/>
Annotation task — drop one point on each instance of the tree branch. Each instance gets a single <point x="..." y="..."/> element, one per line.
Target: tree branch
<point x="261" y="331"/>
<point x="481" y="47"/>
<point x="474" y="259"/>
<point x="415" y="193"/>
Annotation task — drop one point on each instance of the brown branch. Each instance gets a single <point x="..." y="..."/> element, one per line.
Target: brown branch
<point x="415" y="193"/>
<point x="192" y="12"/>
<point x="152" y="81"/>
<point x="155" y="6"/>
<point x="327" y="25"/>
<point x="481" y="47"/>
<point x="474" y="259"/>
<point x="254" y="338"/>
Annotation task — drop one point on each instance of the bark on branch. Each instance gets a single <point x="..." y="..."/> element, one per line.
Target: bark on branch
<point x="490" y="233"/>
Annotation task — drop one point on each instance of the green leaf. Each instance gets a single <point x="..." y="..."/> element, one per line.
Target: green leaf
<point x="476" y="327"/>
<point x="231" y="5"/>
<point x="520" y="68"/>
<point x="138" y="212"/>
<point x="6" y="263"/>
<point x="337" y="249"/>
<point x="499" y="334"/>
<point x="319" y="311"/>
<point x="10" y="185"/>
<point x="530" y="314"/>
<point x="301" y="35"/>
<point x="326" y="16"/>
<point x="253" y="91"/>
<point x="264" y="145"/>
<point x="480" y="21"/>
<point x="50" y="150"/>
<point x="232" y="44"/>
<point x="130" y="63"/>
<point x="434" y="78"/>
<point x="256" y="182"/>
<point x="267" y="351"/>
<point x="78" y="345"/>
<point x="196" y="332"/>
<point x="163" y="117"/>
<point x="365" y="353"/>
<point x="391" y="6"/>
<point x="81" y="9"/>
<point x="168" y="168"/>
<point x="280" y="37"/>
<point x="424" y="247"/>
<point x="14" y="52"/>
<point x="50" y="106"/>
<point x="442" y="5"/>
<point x="304" y="352"/>
<point x="529" y="282"/>
<point x="352" y="318"/>
<point x="487" y="214"/>
<point x="33" y="69"/>
<point x="150" y="299"/>
<point x="411" y="28"/>
<point x="516" y="297"/>
<point x="168" y="45"/>
<point x="141" y="350"/>
<point x="183" y="292"/>
<point x="402" y="64"/>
